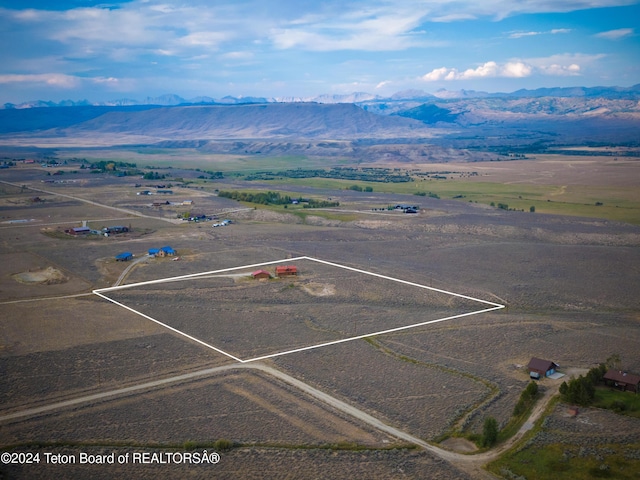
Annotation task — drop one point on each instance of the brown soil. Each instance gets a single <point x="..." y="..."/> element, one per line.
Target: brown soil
<point x="461" y="445"/>
<point x="46" y="276"/>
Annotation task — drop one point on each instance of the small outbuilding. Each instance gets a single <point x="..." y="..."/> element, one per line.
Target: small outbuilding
<point x="80" y="231"/>
<point x="622" y="380"/>
<point x="539" y="368"/>
<point x="286" y="270"/>
<point x="124" y="256"/>
<point x="153" y="252"/>
<point x="260" y="274"/>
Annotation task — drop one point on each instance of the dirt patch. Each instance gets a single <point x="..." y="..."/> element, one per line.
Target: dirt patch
<point x="461" y="445"/>
<point x="46" y="276"/>
<point x="319" y="289"/>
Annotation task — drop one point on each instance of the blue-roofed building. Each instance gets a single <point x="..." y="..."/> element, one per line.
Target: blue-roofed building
<point x="124" y="256"/>
<point x="168" y="251"/>
<point x="153" y="252"/>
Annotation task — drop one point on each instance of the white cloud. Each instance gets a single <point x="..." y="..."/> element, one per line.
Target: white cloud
<point x="369" y="29"/>
<point x="453" y="17"/>
<point x="616" y="34"/>
<point x="65" y="82"/>
<point x="488" y="69"/>
<point x="566" y="64"/>
<point x="51" y="79"/>
<point x="244" y="55"/>
<point x="449" y="10"/>
<point x="555" y="31"/>
<point x="202" y="39"/>
<point x="555" y="65"/>
<point x="561" y="70"/>
<point x="523" y="34"/>
<point x="437" y="74"/>
<point x="514" y="69"/>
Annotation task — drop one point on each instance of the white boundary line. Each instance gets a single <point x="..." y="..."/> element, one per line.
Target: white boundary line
<point x="100" y="291"/>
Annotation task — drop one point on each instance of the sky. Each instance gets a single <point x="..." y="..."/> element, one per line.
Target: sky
<point x="85" y="49"/>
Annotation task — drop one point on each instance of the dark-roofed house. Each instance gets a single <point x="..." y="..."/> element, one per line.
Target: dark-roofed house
<point x="622" y="380"/>
<point x="286" y="270"/>
<point x="80" y="231"/>
<point x="539" y="368"/>
<point x="261" y="274"/>
<point x="124" y="256"/>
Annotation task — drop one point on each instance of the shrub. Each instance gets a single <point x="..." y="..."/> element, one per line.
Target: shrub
<point x="223" y="444"/>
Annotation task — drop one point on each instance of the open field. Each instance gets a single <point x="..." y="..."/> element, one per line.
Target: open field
<point x="254" y="407"/>
<point x="570" y="286"/>
<point x="248" y="318"/>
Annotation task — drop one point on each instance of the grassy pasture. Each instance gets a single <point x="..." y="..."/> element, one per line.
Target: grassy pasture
<point x="620" y="204"/>
<point x="561" y="461"/>
<point x="605" y="398"/>
<point x="555" y="184"/>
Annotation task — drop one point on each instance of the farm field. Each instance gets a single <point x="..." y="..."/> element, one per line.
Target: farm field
<point x="569" y="285"/>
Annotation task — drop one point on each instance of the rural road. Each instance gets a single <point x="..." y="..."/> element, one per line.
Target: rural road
<point x="126" y="271"/>
<point x="470" y="464"/>
<point x="91" y="202"/>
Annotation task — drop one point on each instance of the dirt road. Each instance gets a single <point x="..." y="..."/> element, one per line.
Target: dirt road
<point x="91" y="202"/>
<point x="470" y="464"/>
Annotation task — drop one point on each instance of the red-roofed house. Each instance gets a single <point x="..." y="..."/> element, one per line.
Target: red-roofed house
<point x="261" y="274"/>
<point x="286" y="270"/>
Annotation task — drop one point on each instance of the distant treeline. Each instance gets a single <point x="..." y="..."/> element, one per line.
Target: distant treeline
<point x="120" y="169"/>
<point x="365" y="175"/>
<point x="275" y="198"/>
<point x="261" y="198"/>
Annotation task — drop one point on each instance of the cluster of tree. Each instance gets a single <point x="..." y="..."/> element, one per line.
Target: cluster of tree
<point x="442" y="174"/>
<point x="103" y="166"/>
<point x="527" y="399"/>
<point x="345" y="173"/>
<point x="358" y="188"/>
<point x="428" y="194"/>
<point x="582" y="390"/>
<point x="312" y="203"/>
<point x="212" y="175"/>
<point x="261" y="198"/>
<point x="154" y="176"/>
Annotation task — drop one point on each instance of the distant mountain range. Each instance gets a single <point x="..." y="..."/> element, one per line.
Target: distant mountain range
<point x="359" y="98"/>
<point x="559" y="116"/>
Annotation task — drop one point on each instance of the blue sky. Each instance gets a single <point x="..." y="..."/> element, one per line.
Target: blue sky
<point x="84" y="49"/>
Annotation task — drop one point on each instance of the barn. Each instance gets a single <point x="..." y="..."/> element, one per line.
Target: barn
<point x="539" y="368"/>
<point x="286" y="270"/>
<point x="124" y="256"/>
<point x="259" y="274"/>
<point x="622" y="380"/>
